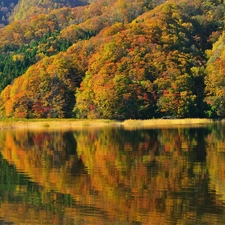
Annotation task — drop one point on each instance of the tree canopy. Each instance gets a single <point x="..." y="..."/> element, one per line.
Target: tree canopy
<point x="115" y="59"/>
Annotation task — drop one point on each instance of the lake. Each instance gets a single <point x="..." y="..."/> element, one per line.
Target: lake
<point x="112" y="176"/>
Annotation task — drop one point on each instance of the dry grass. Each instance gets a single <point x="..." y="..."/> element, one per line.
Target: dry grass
<point x="166" y="122"/>
<point x="49" y="124"/>
<point x="72" y="124"/>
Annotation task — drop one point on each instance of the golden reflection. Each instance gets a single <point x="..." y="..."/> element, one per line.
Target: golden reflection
<point x="216" y="163"/>
<point x="138" y="172"/>
<point x="147" y="176"/>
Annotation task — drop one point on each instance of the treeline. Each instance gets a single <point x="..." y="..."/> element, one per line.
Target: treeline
<point x="140" y="63"/>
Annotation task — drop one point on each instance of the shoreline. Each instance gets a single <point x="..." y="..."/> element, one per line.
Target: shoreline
<point x="73" y="124"/>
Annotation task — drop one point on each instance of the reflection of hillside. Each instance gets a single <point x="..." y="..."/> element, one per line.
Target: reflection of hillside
<point x="145" y="176"/>
<point x="140" y="172"/>
<point x="37" y="160"/>
<point x="45" y="159"/>
<point x="50" y="160"/>
<point x="216" y="162"/>
<point x="20" y="213"/>
<point x="25" y="214"/>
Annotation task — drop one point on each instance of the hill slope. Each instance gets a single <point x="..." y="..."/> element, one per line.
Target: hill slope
<point x="25" y="9"/>
<point x="123" y="60"/>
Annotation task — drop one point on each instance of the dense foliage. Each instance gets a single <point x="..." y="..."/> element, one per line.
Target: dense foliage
<point x="114" y="59"/>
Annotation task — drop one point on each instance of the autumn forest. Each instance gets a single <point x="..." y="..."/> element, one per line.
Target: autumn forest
<point x="114" y="59"/>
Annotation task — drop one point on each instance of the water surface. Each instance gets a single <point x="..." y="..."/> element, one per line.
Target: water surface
<point x="113" y="176"/>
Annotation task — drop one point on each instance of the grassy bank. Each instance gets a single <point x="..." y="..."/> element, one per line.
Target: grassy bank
<point x="54" y="123"/>
<point x="165" y="122"/>
<point x="75" y="124"/>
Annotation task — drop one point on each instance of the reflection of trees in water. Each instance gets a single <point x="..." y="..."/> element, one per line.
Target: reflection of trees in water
<point x="216" y="161"/>
<point x="148" y="176"/>
<point x="53" y="150"/>
<point x="198" y="138"/>
<point x="23" y="201"/>
<point x="53" y="185"/>
<point x="49" y="158"/>
<point x="152" y="172"/>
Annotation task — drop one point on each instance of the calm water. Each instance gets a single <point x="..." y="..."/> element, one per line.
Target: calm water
<point x="113" y="176"/>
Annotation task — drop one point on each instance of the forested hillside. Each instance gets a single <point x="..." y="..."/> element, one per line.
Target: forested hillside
<point x="25" y="9"/>
<point x="114" y="59"/>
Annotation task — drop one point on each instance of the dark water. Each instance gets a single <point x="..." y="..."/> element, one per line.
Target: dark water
<point x="113" y="176"/>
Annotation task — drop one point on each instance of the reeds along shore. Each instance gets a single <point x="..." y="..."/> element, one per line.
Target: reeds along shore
<point x="75" y="124"/>
<point x="166" y="122"/>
